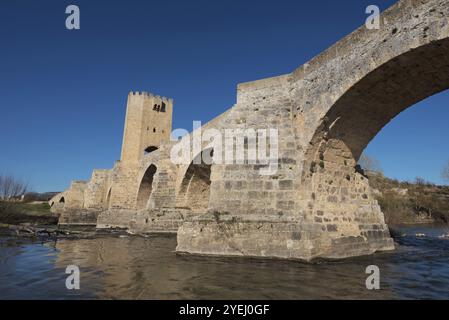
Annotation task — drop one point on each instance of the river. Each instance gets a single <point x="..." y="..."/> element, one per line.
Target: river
<point x="120" y="266"/>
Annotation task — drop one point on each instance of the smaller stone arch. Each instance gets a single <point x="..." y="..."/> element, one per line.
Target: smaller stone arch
<point x="146" y="187"/>
<point x="62" y="200"/>
<point x="194" y="192"/>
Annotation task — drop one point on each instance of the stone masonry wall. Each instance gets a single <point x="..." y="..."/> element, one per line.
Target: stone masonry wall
<point x="74" y="197"/>
<point x="241" y="189"/>
<point x="96" y="190"/>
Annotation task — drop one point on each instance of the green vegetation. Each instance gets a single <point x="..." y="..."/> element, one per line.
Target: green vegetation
<point x="19" y="206"/>
<point x="34" y="213"/>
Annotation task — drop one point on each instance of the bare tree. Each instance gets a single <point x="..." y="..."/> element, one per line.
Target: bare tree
<point x="419" y="181"/>
<point x="11" y="187"/>
<point x="370" y="163"/>
<point x="445" y="172"/>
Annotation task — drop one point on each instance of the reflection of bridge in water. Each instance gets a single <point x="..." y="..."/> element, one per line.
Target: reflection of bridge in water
<point x="137" y="267"/>
<point x="147" y="268"/>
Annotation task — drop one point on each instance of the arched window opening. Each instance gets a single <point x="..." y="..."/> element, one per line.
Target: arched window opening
<point x="62" y="200"/>
<point x="150" y="149"/>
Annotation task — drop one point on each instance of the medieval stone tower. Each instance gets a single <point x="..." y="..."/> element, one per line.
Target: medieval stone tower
<point x="148" y="124"/>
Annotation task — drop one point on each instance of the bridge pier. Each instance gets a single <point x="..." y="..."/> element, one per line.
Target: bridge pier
<point x="277" y="238"/>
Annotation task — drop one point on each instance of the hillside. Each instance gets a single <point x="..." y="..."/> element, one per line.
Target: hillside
<point x="410" y="203"/>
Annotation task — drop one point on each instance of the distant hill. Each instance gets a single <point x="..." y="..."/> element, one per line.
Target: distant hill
<point x="410" y="202"/>
<point x="35" y="196"/>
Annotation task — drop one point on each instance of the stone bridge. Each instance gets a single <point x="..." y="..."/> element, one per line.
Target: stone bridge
<point x="319" y="203"/>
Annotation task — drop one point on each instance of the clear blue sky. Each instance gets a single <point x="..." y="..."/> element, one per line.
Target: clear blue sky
<point x="63" y="93"/>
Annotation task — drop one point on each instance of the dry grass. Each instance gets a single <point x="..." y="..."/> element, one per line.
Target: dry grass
<point x="16" y="213"/>
<point x="411" y="202"/>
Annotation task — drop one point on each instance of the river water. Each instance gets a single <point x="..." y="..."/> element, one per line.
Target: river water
<point x="119" y="266"/>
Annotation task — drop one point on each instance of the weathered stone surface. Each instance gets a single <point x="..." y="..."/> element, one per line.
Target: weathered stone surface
<point x="318" y="203"/>
<point x="274" y="237"/>
<point x="144" y="221"/>
<point x="81" y="217"/>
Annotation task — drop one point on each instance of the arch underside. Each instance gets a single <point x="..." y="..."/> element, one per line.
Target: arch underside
<point x="108" y="199"/>
<point x="146" y="187"/>
<point x="194" y="192"/>
<point x="355" y="119"/>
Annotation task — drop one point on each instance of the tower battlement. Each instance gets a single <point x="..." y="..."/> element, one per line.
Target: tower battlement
<point x="146" y="94"/>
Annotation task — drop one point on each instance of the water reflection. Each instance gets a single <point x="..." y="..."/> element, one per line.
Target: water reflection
<point x="124" y="267"/>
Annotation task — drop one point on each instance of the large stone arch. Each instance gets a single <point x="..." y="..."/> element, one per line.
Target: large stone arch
<point x="364" y="109"/>
<point x="334" y="190"/>
<point x="351" y="91"/>
<point x="345" y="96"/>
<point x="372" y="71"/>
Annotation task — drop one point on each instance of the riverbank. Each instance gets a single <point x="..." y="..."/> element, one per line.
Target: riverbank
<point x="403" y="203"/>
<point x="37" y="213"/>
